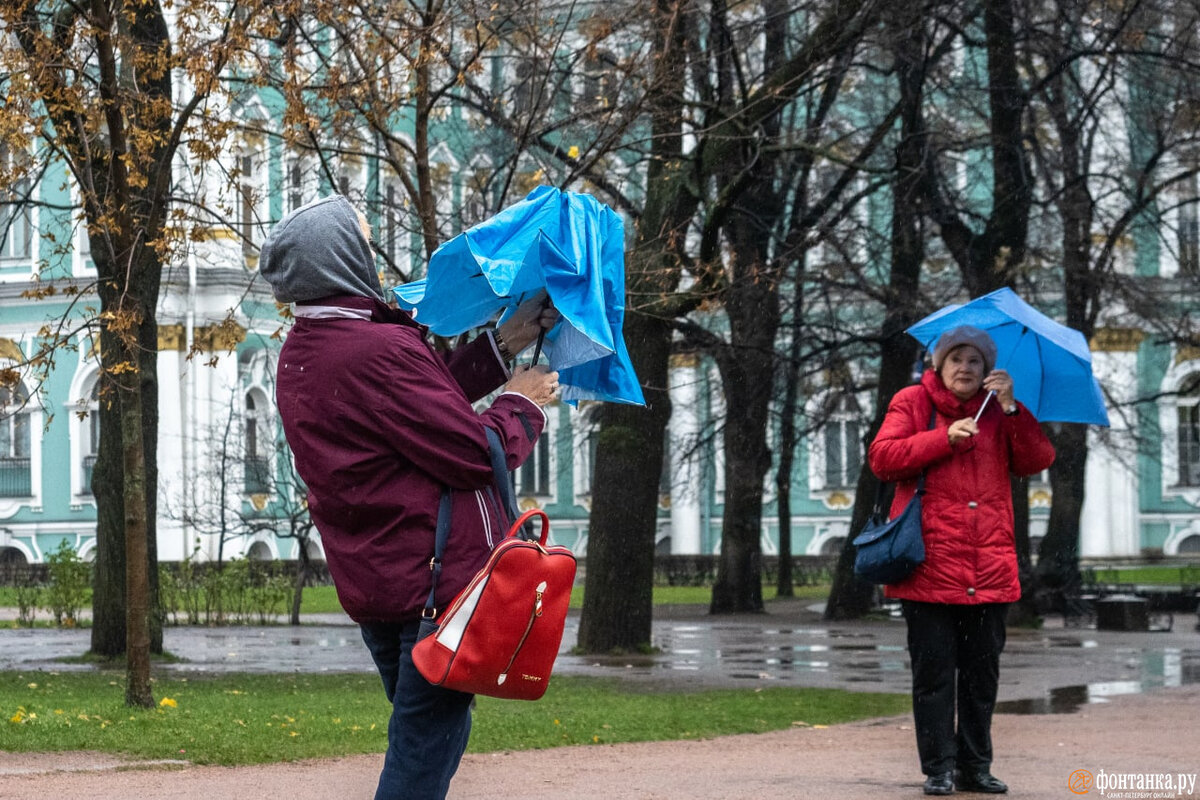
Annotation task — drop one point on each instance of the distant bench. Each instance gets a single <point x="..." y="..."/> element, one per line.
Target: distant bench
<point x="1112" y="604"/>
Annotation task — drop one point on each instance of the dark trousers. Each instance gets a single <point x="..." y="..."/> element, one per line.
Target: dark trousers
<point x="428" y="731"/>
<point x="955" y="653"/>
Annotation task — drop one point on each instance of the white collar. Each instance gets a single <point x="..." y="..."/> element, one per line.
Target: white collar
<point x="330" y="312"/>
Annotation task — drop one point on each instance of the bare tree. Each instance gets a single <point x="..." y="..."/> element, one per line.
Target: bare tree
<point x="113" y="94"/>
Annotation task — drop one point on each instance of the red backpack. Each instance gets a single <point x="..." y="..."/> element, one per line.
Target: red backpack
<point x="501" y="634"/>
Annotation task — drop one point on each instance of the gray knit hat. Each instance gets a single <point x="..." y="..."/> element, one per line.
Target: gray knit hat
<point x="965" y="334"/>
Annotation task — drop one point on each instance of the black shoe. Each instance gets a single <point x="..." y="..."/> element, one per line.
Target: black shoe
<point x="982" y="781"/>
<point x="942" y="783"/>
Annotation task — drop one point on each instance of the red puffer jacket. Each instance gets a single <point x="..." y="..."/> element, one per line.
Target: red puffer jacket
<point x="966" y="513"/>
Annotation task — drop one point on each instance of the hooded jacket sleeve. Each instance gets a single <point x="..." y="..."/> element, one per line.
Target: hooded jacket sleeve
<point x="429" y="419"/>
<point x="905" y="445"/>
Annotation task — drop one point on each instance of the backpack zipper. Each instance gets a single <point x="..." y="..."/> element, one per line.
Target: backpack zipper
<point x="533" y="615"/>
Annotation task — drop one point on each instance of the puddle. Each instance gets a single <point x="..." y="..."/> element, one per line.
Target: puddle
<point x="1157" y="669"/>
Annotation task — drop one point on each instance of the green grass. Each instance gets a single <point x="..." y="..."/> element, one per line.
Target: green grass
<point x="702" y="595"/>
<point x="319" y="600"/>
<point x="250" y="719"/>
<point x="323" y="599"/>
<point x="1164" y="575"/>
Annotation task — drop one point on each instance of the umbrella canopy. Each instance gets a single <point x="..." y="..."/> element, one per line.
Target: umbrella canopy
<point x="1050" y="364"/>
<point x="571" y="245"/>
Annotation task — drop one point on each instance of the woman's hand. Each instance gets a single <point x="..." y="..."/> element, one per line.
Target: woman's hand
<point x="538" y="383"/>
<point x="961" y="429"/>
<point x="531" y="318"/>
<point x="1000" y="382"/>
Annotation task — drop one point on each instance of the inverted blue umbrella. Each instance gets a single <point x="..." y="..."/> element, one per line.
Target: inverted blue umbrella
<point x="1050" y="364"/>
<point x="567" y="243"/>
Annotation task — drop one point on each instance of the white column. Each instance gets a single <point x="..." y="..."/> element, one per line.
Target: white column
<point x="1108" y="524"/>
<point x="172" y="476"/>
<point x="684" y="433"/>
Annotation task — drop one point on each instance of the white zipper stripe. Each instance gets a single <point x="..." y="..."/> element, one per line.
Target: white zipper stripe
<point x="487" y="520"/>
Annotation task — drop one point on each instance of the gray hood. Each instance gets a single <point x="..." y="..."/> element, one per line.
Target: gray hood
<point x="317" y="251"/>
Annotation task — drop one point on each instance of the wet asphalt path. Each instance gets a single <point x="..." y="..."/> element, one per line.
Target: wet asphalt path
<point x="1054" y="669"/>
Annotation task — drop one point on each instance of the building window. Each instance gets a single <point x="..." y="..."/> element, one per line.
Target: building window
<point x="533" y="477"/>
<point x="528" y="87"/>
<point x="1189" y="227"/>
<point x="248" y="219"/>
<point x="843" y="444"/>
<point x="586" y="425"/>
<point x="89" y="437"/>
<point x="1188" y="433"/>
<point x="16" y="475"/>
<point x="600" y="81"/>
<point x="256" y="471"/>
<point x="295" y="185"/>
<point x="16" y="216"/>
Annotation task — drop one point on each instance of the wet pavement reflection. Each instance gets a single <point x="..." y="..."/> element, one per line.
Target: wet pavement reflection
<point x="1054" y="670"/>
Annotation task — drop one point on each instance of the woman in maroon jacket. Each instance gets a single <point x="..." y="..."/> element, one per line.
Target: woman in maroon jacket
<point x="380" y="425"/>
<point x="955" y="602"/>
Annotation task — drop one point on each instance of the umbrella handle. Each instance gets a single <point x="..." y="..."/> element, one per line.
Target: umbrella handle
<point x="537" y="349"/>
<point x="979" y="413"/>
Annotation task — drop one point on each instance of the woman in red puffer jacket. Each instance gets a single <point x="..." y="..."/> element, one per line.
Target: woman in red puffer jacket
<point x="955" y="602"/>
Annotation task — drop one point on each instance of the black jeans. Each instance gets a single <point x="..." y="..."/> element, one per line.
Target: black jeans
<point x="955" y="653"/>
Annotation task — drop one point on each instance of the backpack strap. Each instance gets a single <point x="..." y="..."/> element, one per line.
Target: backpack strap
<point x="508" y="500"/>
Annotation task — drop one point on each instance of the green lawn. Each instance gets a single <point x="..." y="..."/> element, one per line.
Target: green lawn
<point x="323" y="599"/>
<point x="1161" y="575"/>
<point x="248" y="719"/>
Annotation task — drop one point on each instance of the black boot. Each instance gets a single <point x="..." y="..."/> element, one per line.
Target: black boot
<point x="979" y="781"/>
<point x="941" y="783"/>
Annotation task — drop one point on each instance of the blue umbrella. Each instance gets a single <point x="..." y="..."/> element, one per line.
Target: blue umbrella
<point x="1050" y="364"/>
<point x="571" y="245"/>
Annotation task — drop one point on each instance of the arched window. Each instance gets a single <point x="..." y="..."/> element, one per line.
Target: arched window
<point x="256" y="460"/>
<point x="89" y="436"/>
<point x="843" y="444"/>
<point x="1187" y="409"/>
<point x="16" y="474"/>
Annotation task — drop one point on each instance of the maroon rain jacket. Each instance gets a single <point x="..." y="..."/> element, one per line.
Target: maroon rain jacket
<point x="380" y="424"/>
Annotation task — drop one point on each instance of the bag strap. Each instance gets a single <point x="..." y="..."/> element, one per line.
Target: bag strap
<point x="440" y="537"/>
<point x="879" y="487"/>
<point x="508" y="499"/>
<point x="504" y="482"/>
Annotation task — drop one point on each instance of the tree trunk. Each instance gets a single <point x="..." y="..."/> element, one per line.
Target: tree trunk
<point x="1058" y="556"/>
<point x="617" y="600"/>
<point x="137" y="581"/>
<point x="851" y="597"/>
<point x="739" y="568"/>
<point x="1023" y="613"/>
<point x="301" y="579"/>
<point x="108" y="591"/>
<point x="747" y="377"/>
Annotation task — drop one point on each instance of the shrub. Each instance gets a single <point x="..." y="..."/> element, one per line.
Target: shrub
<point x="70" y="579"/>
